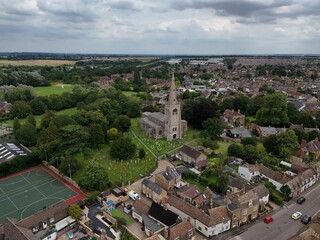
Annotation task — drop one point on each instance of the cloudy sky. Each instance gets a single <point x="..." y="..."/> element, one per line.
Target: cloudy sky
<point x="161" y="26"/>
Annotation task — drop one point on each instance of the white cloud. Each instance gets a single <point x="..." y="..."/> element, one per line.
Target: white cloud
<point x="167" y="26"/>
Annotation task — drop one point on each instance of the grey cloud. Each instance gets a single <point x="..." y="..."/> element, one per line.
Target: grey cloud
<point x="125" y="5"/>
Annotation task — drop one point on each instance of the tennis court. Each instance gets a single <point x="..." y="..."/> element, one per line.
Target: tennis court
<point x="29" y="191"/>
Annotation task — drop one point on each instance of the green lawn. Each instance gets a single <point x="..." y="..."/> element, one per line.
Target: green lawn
<point x="119" y="214"/>
<point x="68" y="111"/>
<point x="223" y="148"/>
<point x="56" y="88"/>
<point x="194" y="182"/>
<point x="214" y="161"/>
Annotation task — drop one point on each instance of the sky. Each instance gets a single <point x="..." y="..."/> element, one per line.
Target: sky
<point x="209" y="27"/>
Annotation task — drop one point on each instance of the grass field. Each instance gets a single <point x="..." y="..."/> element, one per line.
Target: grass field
<point x="38" y="118"/>
<point x="223" y="148"/>
<point x="28" y="192"/>
<point x="52" y="63"/>
<point x="57" y="88"/>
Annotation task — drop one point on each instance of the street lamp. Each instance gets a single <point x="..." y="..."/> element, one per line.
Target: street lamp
<point x="69" y="170"/>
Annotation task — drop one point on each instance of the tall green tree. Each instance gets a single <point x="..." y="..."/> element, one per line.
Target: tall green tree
<point x="95" y="177"/>
<point x="287" y="143"/>
<point x="16" y="125"/>
<point x="96" y="135"/>
<point x="286" y="190"/>
<point x="75" y="211"/>
<point x="273" y="111"/>
<point x="122" y="148"/>
<point x="32" y="120"/>
<point x="27" y="135"/>
<point x="212" y="127"/>
<point x="122" y="123"/>
<point x="20" y="109"/>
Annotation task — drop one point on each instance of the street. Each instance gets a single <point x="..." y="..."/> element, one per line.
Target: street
<point x="283" y="227"/>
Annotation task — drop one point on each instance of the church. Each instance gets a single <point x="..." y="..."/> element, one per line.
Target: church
<point x="168" y="125"/>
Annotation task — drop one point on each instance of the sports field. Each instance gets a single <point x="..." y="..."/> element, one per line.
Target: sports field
<point x="29" y="191"/>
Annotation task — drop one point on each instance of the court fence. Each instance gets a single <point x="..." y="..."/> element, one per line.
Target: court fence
<point x="56" y="171"/>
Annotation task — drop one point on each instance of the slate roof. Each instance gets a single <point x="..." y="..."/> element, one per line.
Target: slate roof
<point x="261" y="191"/>
<point x="151" y="224"/>
<point x="244" y="133"/>
<point x="190" y="151"/>
<point x="160" y="116"/>
<point x="150" y="123"/>
<point x="239" y="183"/>
<point x="166" y="217"/>
<point x="171" y="174"/>
<point x="151" y="185"/>
<point x="181" y="169"/>
<point x="190" y="191"/>
<point x="278" y="177"/>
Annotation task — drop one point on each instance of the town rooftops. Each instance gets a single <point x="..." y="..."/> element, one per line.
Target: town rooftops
<point x="279" y="177"/>
<point x="154" y="187"/>
<point x="141" y="207"/>
<point x="164" y="216"/>
<point x="261" y="191"/>
<point x="190" y="151"/>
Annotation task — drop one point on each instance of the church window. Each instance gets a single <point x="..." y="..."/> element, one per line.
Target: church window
<point x="175" y="111"/>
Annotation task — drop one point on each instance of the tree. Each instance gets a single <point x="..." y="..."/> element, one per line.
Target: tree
<point x="96" y="135"/>
<point x="212" y="127"/>
<point x="95" y="177"/>
<point x="271" y="144"/>
<point x="73" y="138"/>
<point x="307" y="120"/>
<point x="251" y="153"/>
<point x="16" y="126"/>
<point x="69" y="165"/>
<point x="273" y="111"/>
<point x="286" y="190"/>
<point x="236" y="150"/>
<point x="142" y="153"/>
<point x="241" y="103"/>
<point x="27" y="135"/>
<point x="122" y="148"/>
<point x="38" y="106"/>
<point x="48" y="134"/>
<point x="75" y="211"/>
<point x="249" y="141"/>
<point x="20" y="109"/>
<point x="112" y="133"/>
<point x="221" y="185"/>
<point x="122" y="123"/>
<point x="46" y="119"/>
<point x="287" y="143"/>
<point x="32" y="120"/>
<point x="63" y="120"/>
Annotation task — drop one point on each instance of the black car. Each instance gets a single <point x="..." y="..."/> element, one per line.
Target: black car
<point x="301" y="200"/>
<point x="306" y="219"/>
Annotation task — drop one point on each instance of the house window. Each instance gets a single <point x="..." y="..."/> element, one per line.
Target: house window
<point x="245" y="211"/>
<point x="190" y="233"/>
<point x="206" y="228"/>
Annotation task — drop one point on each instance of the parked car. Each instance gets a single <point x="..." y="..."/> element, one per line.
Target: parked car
<point x="133" y="195"/>
<point x="268" y="219"/>
<point x="306" y="219"/>
<point x="296" y="215"/>
<point x="301" y="200"/>
<point x="149" y="176"/>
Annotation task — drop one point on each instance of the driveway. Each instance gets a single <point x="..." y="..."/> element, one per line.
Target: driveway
<point x="95" y="222"/>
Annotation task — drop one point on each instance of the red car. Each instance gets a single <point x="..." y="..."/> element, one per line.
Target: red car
<point x="268" y="219"/>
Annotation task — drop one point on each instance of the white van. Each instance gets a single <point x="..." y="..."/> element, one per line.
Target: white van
<point x="133" y="195"/>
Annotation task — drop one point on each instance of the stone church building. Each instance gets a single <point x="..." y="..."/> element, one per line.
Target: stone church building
<point x="168" y="125"/>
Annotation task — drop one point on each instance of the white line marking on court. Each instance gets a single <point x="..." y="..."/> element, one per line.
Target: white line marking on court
<point x="13" y="203"/>
<point x="34" y="187"/>
<point x="2" y="190"/>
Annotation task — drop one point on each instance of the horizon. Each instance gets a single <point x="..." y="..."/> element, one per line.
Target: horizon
<point x="193" y="27"/>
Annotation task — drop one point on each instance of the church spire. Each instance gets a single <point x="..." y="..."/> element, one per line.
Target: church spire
<point x="173" y="92"/>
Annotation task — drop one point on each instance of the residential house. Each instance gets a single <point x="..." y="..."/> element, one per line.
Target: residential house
<point x="168" y="179"/>
<point x="237" y="185"/>
<point x="193" y="157"/>
<point x="209" y="223"/>
<point x="310" y="149"/>
<point x="238" y="133"/>
<point x="276" y="178"/>
<point x="189" y="192"/>
<point x="139" y="209"/>
<point x="153" y="191"/>
<point x="263" y="195"/>
<point x="41" y="221"/>
<point x="181" y="231"/>
<point x="249" y="171"/>
<point x="163" y="215"/>
<point x="151" y="226"/>
<point x="233" y="118"/>
<point x="266" y="131"/>
<point x="243" y="207"/>
<point x="303" y="181"/>
<point x="5" y="107"/>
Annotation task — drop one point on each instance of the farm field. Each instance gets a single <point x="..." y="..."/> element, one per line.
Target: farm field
<point x="57" y="88"/>
<point x="52" y="63"/>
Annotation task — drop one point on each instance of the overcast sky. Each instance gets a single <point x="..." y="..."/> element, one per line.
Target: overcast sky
<point x="161" y="26"/>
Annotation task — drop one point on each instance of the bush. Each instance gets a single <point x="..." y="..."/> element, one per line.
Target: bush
<point x="92" y="198"/>
<point x="191" y="175"/>
<point x="247" y="141"/>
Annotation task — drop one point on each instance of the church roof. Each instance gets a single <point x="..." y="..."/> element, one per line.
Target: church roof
<point x="149" y="123"/>
<point x="158" y="115"/>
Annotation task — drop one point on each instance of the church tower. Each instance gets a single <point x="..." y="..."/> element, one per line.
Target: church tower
<point x="172" y="110"/>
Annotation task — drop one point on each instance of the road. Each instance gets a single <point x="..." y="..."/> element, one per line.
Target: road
<point x="283" y="227"/>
